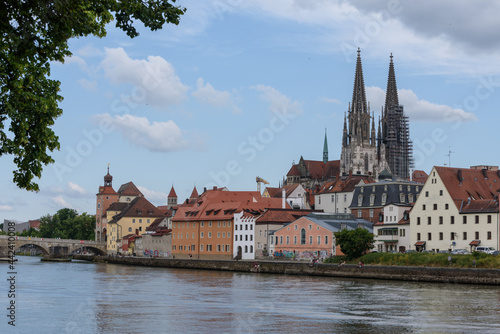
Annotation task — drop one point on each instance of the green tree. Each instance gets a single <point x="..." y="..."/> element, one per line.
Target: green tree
<point x="353" y="243"/>
<point x="34" y="33"/>
<point x="68" y="224"/>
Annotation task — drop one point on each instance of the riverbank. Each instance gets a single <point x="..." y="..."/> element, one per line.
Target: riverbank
<point x="400" y="273"/>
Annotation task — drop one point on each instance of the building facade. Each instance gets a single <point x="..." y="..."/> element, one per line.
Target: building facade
<point x="457" y="209"/>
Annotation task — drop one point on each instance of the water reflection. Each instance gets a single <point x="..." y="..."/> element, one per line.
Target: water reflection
<point x="83" y="297"/>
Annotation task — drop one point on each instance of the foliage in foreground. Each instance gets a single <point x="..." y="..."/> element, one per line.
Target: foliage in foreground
<point x="353" y="243"/>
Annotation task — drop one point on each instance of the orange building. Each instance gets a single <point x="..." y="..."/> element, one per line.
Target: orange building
<point x="204" y="228"/>
<point x="105" y="197"/>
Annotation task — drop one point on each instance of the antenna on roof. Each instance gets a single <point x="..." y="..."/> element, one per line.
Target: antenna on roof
<point x="449" y="156"/>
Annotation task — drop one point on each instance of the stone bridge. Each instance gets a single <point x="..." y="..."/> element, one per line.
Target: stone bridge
<point x="50" y="247"/>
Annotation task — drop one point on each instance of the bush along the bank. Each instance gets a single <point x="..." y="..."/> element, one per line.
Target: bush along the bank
<point x="481" y="260"/>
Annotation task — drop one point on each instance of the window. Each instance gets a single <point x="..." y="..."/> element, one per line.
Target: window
<point x="140" y="228"/>
<point x="227" y="248"/>
<point x="287" y="240"/>
<point x="246" y="237"/>
<point x="440" y="220"/>
<point x="418" y="220"/>
<point x="251" y="249"/>
<point x="140" y="221"/>
<point x="333" y="198"/>
<point x="423" y="207"/>
<point x="429" y="236"/>
<point x="281" y="240"/>
<point x="384" y="198"/>
<point x="452" y="236"/>
<point x="326" y="239"/>
<point x="133" y="220"/>
<point x="465" y="236"/>
<point x="446" y="206"/>
<point x="429" y="220"/>
<point x="372" y="199"/>
<point x="489" y="219"/>
<point x="360" y="213"/>
<point x="246" y="249"/>
<point x="218" y="234"/>
<point x="218" y="248"/>
<point x="452" y="220"/>
<point x="251" y="227"/>
<point x="465" y="219"/>
<point x="224" y="224"/>
<point x="418" y="236"/>
<point x="319" y="199"/>
<point x="345" y="198"/>
<point x="187" y="235"/>
<point x="246" y="227"/>
<point x="489" y="235"/>
<point x="202" y="224"/>
<point x="371" y="213"/>
<point x="223" y="234"/>
<point x="209" y="248"/>
<point x="209" y="234"/>
<point x="294" y="239"/>
<point x="476" y="235"/>
<point x="235" y="237"/>
<point x="210" y="225"/>
<point x="229" y="234"/>
<point x="310" y="226"/>
<point x="426" y="194"/>
<point x="410" y="198"/>
<point x="130" y="229"/>
<point x="476" y="221"/>
<point x="303" y="236"/>
<point x="218" y="225"/>
<point x="441" y="193"/>
<point x="296" y="227"/>
<point x="402" y="197"/>
<point x="310" y="240"/>
<point x="241" y="237"/>
<point x="440" y="235"/>
<point x="435" y="206"/>
<point x="360" y="200"/>
<point x="201" y="248"/>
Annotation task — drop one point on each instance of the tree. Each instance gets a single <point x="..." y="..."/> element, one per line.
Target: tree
<point x="68" y="224"/>
<point x="34" y="33"/>
<point x="353" y="243"/>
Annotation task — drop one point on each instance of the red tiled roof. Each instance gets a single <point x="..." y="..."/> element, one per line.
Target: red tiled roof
<point x="117" y="206"/>
<point x="466" y="185"/>
<point x="129" y="189"/>
<point x="480" y="205"/>
<point x="155" y="225"/>
<point x="218" y="205"/>
<point x="316" y="169"/>
<point x="344" y="184"/>
<point x="106" y="191"/>
<point x="277" y="192"/>
<point x="281" y="216"/>
<point x="194" y="194"/>
<point x="419" y="176"/>
<point x="139" y="207"/>
<point x="420" y="243"/>
<point x="172" y="193"/>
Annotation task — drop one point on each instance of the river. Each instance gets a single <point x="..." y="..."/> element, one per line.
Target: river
<point x="81" y="297"/>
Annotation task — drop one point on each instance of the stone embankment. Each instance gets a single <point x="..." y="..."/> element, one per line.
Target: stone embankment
<point x="414" y="274"/>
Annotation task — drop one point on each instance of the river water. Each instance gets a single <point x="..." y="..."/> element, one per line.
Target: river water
<point x="81" y="297"/>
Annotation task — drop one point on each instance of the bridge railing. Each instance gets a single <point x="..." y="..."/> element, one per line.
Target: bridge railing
<point x="83" y="242"/>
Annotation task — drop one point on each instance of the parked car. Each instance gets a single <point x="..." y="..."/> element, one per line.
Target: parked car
<point x="410" y="251"/>
<point x="460" y="251"/>
<point x="485" y="249"/>
<point x="496" y="253"/>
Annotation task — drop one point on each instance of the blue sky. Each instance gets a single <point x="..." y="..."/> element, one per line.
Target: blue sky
<point x="244" y="88"/>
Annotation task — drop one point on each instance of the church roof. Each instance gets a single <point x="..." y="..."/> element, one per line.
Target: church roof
<point x="391" y="94"/>
<point x="194" y="194"/>
<point x="172" y="193"/>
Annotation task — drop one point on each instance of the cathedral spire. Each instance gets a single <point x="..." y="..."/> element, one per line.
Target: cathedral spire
<point x="391" y="95"/>
<point x="358" y="94"/>
<point x="325" y="150"/>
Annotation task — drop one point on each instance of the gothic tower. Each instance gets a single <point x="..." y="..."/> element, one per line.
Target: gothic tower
<point x="325" y="150"/>
<point x="359" y="144"/>
<point x="172" y="198"/>
<point x="395" y="131"/>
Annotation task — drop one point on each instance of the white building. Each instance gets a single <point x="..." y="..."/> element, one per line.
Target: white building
<point x="244" y="235"/>
<point x="336" y="196"/>
<point x="393" y="232"/>
<point x="457" y="208"/>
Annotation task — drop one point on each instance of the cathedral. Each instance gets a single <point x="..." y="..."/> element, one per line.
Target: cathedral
<point x="365" y="153"/>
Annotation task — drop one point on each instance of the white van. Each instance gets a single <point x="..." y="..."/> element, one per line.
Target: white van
<point x="485" y="249"/>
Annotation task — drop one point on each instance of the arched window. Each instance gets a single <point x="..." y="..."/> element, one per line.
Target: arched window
<point x="246" y="249"/>
<point x="303" y="236"/>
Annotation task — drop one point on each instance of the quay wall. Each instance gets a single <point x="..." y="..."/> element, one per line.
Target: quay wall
<point x="401" y="273"/>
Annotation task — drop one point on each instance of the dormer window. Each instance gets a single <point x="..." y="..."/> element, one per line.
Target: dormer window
<point x="360" y="200"/>
<point x="402" y="197"/>
<point x="384" y="198"/>
<point x="372" y="199"/>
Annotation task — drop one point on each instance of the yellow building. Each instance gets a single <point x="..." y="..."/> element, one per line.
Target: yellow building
<point x="129" y="218"/>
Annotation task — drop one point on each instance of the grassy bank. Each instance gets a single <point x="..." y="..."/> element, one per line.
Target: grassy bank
<point x="483" y="260"/>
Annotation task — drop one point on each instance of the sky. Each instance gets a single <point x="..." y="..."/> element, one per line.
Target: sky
<point x="241" y="89"/>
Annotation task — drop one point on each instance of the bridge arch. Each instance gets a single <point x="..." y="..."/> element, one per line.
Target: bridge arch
<point x="95" y="250"/>
<point x="44" y="251"/>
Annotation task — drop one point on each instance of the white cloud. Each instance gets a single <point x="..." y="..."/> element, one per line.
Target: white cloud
<point x="139" y="131"/>
<point x="278" y="102"/>
<point x="330" y="100"/>
<point x="154" y="79"/>
<point x="418" y="109"/>
<point x="154" y="196"/>
<point x="6" y="208"/>
<point x="91" y="86"/>
<point x="206" y="93"/>
<point x="74" y="190"/>
<point x="61" y="202"/>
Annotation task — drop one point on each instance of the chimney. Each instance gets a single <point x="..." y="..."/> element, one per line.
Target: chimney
<point x="459" y="176"/>
<point x="283" y="199"/>
<point x="215" y="188"/>
<point x="350" y="173"/>
<point x="485" y="172"/>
